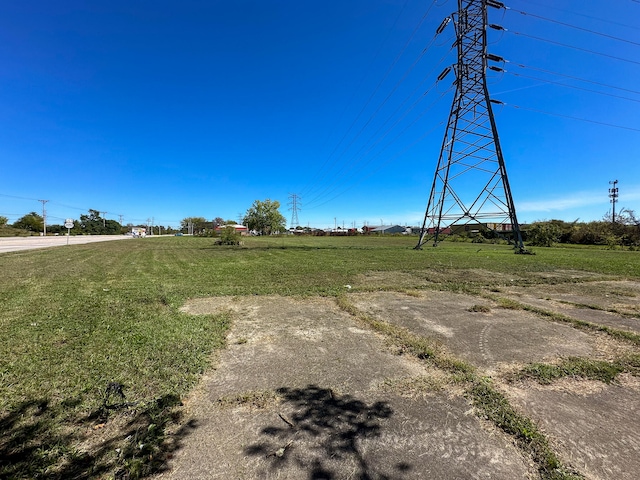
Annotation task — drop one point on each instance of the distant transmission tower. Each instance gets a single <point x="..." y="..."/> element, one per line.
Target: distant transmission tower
<point x="295" y="205"/>
<point x="470" y="189"/>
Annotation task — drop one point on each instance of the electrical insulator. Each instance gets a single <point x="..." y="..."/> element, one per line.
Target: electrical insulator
<point x="494" y="4"/>
<point x="496" y="101"/>
<point x="443" y="25"/>
<point x="496" y="27"/>
<point x="495" y="69"/>
<point x="494" y="58"/>
<point x="444" y="73"/>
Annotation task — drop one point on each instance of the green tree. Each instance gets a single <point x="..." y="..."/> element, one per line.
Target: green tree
<point x="265" y="217"/>
<point x="196" y="223"/>
<point x="94" y="224"/>
<point x="3" y="221"/>
<point x="31" y="221"/>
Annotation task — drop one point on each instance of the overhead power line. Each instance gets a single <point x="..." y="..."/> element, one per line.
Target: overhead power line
<point x="591" y="17"/>
<point x="370" y="144"/>
<point x="574" y="26"/>
<point x="329" y="190"/>
<point x="633" y="129"/>
<point x="573" y="77"/>
<point x="571" y="46"/>
<point x="328" y="165"/>
<point x="375" y="57"/>
<point x="515" y="74"/>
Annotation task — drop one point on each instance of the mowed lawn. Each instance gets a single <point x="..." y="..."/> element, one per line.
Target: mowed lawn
<point x="77" y="319"/>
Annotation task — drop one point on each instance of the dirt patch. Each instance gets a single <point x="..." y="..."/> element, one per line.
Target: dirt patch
<point x="303" y="392"/>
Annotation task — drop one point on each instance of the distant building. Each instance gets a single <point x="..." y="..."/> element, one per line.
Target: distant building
<point x="241" y="229"/>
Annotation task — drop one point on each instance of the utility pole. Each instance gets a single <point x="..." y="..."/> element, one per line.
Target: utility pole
<point x="120" y="217"/>
<point x="104" y="221"/>
<point x="44" y="218"/>
<point x="295" y="205"/>
<point x="471" y="154"/>
<point x="613" y="195"/>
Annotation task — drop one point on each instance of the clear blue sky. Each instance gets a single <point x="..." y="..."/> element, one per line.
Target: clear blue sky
<point x="169" y="109"/>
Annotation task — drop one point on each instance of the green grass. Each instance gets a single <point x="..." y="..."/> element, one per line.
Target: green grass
<point x="75" y="318"/>
<point x="601" y="370"/>
<point x="545" y="373"/>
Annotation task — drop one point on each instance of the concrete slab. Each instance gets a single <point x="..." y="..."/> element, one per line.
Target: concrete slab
<point x="300" y="393"/>
<point x="595" y="426"/>
<point x="571" y="300"/>
<point x="490" y="340"/>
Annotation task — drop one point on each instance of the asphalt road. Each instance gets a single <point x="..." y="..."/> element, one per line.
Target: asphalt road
<point x="15" y="244"/>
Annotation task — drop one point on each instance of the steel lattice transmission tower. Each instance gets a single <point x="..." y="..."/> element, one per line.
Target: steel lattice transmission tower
<point x="295" y="205"/>
<point x="470" y="185"/>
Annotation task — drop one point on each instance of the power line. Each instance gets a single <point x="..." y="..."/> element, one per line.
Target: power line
<point x="371" y="173"/>
<point x="635" y="27"/>
<point x="572" y="117"/>
<point x="330" y="190"/>
<point x="577" y="78"/>
<point x="319" y="177"/>
<point x="380" y="138"/>
<point x="574" y="26"/>
<point x="375" y="57"/>
<point x="19" y="198"/>
<point x="572" y="86"/>
<point x="572" y="46"/>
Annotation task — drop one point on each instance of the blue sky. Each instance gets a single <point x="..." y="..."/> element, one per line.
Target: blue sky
<point x="165" y="109"/>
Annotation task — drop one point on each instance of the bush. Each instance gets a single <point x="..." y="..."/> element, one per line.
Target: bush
<point x="229" y="236"/>
<point x="543" y="234"/>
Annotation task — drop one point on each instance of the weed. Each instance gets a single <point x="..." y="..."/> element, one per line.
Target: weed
<point x="545" y="373"/>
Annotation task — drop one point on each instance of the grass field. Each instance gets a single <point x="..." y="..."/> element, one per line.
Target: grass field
<point x="76" y="319"/>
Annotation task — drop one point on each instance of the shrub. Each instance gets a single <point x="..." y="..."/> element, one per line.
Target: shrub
<point x="229" y="236"/>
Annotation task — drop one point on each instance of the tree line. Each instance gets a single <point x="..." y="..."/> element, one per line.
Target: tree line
<point x="263" y="217"/>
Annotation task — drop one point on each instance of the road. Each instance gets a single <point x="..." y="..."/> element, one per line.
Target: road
<point x="15" y="244"/>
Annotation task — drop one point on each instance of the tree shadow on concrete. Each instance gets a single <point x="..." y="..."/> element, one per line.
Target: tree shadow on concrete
<point x="43" y="439"/>
<point x="321" y="434"/>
